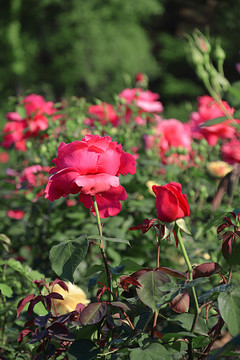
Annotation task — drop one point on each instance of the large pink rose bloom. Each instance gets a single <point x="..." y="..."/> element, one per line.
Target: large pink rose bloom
<point x="208" y="109"/>
<point x="92" y="167"/>
<point x="231" y="151"/>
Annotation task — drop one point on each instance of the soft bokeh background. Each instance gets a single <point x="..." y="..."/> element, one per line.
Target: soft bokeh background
<point x="94" y="49"/>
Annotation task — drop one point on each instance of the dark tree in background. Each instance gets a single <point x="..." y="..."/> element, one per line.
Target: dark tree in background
<point x="94" y="48"/>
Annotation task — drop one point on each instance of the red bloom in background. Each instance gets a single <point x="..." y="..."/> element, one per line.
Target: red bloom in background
<point x="231" y="151"/>
<point x="208" y="109"/>
<point x="103" y="113"/>
<point x="15" y="214"/>
<point x="4" y="157"/>
<point x="18" y="129"/>
<point x="170" y="202"/>
<point x="91" y="167"/>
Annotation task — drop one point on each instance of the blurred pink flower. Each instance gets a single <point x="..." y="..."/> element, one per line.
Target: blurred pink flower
<point x="18" y="129"/>
<point x="15" y="214"/>
<point x="170" y="134"/>
<point x="208" y="109"/>
<point x="230" y="151"/>
<point x="146" y="102"/>
<point x="4" y="157"/>
<point x="103" y="113"/>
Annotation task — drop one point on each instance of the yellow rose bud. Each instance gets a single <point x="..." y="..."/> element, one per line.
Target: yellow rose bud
<point x="219" y="168"/>
<point x="150" y="184"/>
<point x="75" y="295"/>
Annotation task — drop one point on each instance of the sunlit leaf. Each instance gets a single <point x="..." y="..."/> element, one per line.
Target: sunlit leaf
<point x="229" y="307"/>
<point x="67" y="255"/>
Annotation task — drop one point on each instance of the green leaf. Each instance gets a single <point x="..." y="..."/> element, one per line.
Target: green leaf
<point x="130" y="265"/>
<point x="229" y="307"/>
<point x="82" y="350"/>
<point x="215" y="121"/>
<point x="152" y="352"/>
<point x="67" y="255"/>
<point x="15" y="265"/>
<point x="182" y="225"/>
<point x="6" y="290"/>
<point x="149" y="292"/>
<point x="94" y="269"/>
<point x="186" y="321"/>
<point x="6" y="242"/>
<point x="98" y="238"/>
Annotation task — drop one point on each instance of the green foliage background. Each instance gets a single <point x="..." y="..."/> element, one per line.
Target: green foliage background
<point x="94" y="49"/>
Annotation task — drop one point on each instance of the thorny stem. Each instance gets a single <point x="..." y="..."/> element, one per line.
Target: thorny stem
<point x="109" y="280"/>
<point x="189" y="266"/>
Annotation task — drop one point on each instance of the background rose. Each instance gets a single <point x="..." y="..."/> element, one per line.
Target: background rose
<point x="169" y="134"/>
<point x="208" y="109"/>
<point x="231" y="151"/>
<point x="71" y="298"/>
<point x="91" y="166"/>
<point x="170" y="202"/>
<point x="103" y="113"/>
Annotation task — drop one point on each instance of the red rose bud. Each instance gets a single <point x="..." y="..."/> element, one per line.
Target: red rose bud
<point x="170" y="202"/>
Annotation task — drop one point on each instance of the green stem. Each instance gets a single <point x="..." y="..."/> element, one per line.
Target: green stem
<point x="101" y="246"/>
<point x="189" y="266"/>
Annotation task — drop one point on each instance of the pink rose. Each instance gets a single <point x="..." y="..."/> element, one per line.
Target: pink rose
<point x="15" y="214"/>
<point x="208" y="109"/>
<point x="170" y="202"/>
<point x="103" y="113"/>
<point x="36" y="105"/>
<point x="13" y="134"/>
<point x="169" y="134"/>
<point x="231" y="151"/>
<point x="91" y="167"/>
<point x="145" y="100"/>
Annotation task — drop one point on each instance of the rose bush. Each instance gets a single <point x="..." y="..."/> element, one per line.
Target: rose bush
<point x="170" y="202"/>
<point x="92" y="167"/>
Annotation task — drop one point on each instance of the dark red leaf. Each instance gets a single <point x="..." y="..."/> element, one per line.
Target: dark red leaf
<point x="33" y="302"/>
<point x="59" y="331"/>
<point x="61" y="283"/>
<point x="138" y="273"/>
<point x="174" y="273"/>
<point x="206" y="269"/>
<point x="125" y="281"/>
<point x="22" y="335"/>
<point x="145" y="226"/>
<point x="100" y="292"/>
<point x="93" y="313"/>
<point x="55" y="295"/>
<point x="120" y="305"/>
<point x="42" y="320"/>
<point x="180" y="303"/>
<point x="22" y="303"/>
<point x="38" y="336"/>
